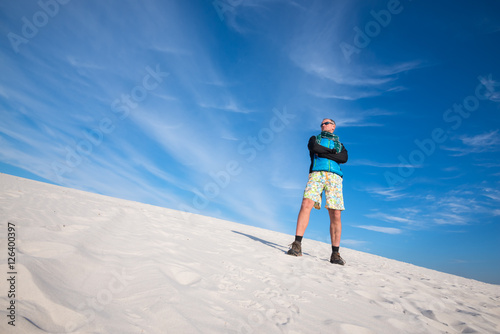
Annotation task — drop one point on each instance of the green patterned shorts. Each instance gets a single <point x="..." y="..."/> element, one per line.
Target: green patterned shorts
<point x="329" y="182"/>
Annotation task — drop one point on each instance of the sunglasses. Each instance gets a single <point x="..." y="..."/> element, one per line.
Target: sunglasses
<point x="326" y="123"/>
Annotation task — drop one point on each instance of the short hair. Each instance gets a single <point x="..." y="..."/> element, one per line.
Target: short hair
<point x="330" y="120"/>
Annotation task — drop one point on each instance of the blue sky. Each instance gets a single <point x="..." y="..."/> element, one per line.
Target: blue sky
<point x="207" y="107"/>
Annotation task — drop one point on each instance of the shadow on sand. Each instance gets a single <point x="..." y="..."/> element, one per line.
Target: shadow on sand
<point x="265" y="242"/>
<point x="284" y="249"/>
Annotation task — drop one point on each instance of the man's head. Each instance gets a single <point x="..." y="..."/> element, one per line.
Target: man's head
<point x="328" y="125"/>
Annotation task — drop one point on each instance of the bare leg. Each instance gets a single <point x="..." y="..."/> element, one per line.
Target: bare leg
<point x="335" y="226"/>
<point x="304" y="214"/>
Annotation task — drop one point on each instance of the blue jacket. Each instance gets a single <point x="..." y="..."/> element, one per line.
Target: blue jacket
<point x="324" y="157"/>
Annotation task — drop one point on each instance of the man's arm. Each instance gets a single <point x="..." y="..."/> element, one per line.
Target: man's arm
<point x="316" y="148"/>
<point x="328" y="153"/>
<point x="340" y="158"/>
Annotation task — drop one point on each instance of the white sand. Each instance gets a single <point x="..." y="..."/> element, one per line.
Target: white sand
<point x="87" y="263"/>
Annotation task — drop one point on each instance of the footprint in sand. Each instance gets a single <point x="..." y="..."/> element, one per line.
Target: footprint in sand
<point x="66" y="228"/>
<point x="182" y="275"/>
<point x="351" y="329"/>
<point x="13" y="194"/>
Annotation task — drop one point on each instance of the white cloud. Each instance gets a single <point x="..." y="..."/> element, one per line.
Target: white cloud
<point x="353" y="243"/>
<point x="365" y="162"/>
<point x="493" y="93"/>
<point x="352" y="94"/>
<point x="228" y="105"/>
<point x="388" y="193"/>
<point x="389" y="218"/>
<point x="482" y="142"/>
<point x="494" y="194"/>
<point x="460" y="206"/>
<point x="381" y="229"/>
<point x="397" y="68"/>
<point x="449" y="219"/>
<point x="485" y="142"/>
<point x="177" y="137"/>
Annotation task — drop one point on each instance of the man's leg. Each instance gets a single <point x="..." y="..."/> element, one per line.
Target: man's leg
<point x="302" y="222"/>
<point x="335" y="226"/>
<point x="312" y="194"/>
<point x="304" y="214"/>
<point x="335" y="232"/>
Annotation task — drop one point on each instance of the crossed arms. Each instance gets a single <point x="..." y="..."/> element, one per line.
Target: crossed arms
<point x="325" y="152"/>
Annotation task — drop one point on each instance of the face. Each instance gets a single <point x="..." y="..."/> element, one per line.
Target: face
<point x="327" y="127"/>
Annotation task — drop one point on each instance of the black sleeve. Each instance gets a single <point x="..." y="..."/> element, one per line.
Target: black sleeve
<point x="325" y="152"/>
<point x="340" y="158"/>
<point x="316" y="148"/>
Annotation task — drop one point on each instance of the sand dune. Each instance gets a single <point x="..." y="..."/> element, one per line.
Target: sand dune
<point x="87" y="263"/>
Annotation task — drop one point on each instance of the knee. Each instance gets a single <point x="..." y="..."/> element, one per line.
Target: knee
<point x="335" y="215"/>
<point x="307" y="204"/>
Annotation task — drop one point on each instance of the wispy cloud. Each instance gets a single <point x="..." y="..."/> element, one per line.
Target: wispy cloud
<point x="483" y="142"/>
<point x="320" y="57"/>
<point x="81" y="64"/>
<point x="449" y="219"/>
<point x="365" y="162"/>
<point x="229" y="105"/>
<point x="372" y="77"/>
<point x="457" y="207"/>
<point x="492" y="193"/>
<point x="336" y="74"/>
<point x="488" y="164"/>
<point x="353" y="243"/>
<point x="390" y="218"/>
<point x="170" y="133"/>
<point x="386" y="192"/>
<point x="493" y="88"/>
<point x="381" y="229"/>
<point x="392" y="70"/>
<point x="340" y="93"/>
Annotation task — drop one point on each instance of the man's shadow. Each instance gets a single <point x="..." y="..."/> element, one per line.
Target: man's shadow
<point x="265" y="242"/>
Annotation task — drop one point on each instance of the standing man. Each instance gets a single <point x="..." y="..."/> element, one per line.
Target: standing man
<point x="326" y="152"/>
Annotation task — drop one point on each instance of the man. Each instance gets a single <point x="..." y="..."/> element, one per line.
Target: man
<point x="326" y="152"/>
